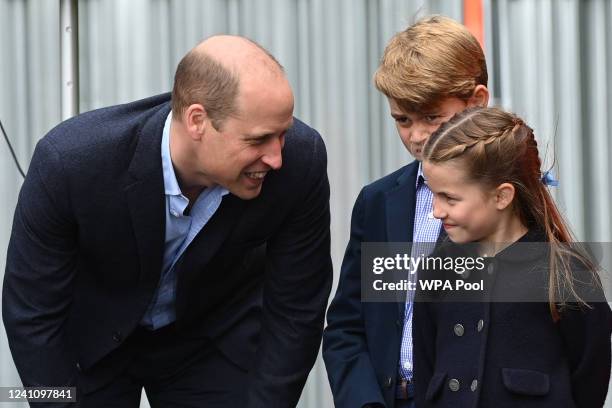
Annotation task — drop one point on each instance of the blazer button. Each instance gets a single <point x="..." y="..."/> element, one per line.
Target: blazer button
<point x="398" y="323"/>
<point x="474" y="385"/>
<point x="117" y="336"/>
<point x="78" y="366"/>
<point x="454" y="385"/>
<point x="388" y="382"/>
<point x="458" y="329"/>
<point x="480" y="325"/>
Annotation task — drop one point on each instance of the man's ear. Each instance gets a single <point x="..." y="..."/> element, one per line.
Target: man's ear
<point x="480" y="97"/>
<point x="195" y="120"/>
<point x="504" y="195"/>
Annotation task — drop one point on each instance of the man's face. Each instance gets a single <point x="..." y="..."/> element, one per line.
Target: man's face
<point x="240" y="154"/>
<point x="415" y="128"/>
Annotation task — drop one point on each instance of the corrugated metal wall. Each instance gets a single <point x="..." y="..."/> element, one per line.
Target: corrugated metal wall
<point x="549" y="61"/>
<point x="554" y="59"/>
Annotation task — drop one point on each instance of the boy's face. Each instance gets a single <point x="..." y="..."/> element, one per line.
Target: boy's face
<point x="415" y="128"/>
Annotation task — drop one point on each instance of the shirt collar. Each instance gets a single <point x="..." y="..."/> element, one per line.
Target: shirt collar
<point x="419" y="175"/>
<point x="171" y="186"/>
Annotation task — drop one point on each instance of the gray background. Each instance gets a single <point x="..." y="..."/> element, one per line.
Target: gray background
<point x="549" y="61"/>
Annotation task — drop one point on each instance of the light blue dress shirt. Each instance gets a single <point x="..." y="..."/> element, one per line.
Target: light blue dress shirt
<point x="181" y="229"/>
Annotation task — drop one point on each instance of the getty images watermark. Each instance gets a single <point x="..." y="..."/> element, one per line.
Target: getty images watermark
<point x="517" y="272"/>
<point x="410" y="265"/>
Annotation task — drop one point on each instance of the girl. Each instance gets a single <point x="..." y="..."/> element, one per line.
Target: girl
<point x="484" y="171"/>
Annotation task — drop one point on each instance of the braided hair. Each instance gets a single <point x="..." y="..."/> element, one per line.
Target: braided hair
<point x="495" y="147"/>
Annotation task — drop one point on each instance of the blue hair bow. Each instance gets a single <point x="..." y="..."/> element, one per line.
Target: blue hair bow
<point x="549" y="179"/>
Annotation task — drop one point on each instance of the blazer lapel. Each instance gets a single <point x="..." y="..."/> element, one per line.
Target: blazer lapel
<point x="145" y="197"/>
<point x="400" y="207"/>
<point x="147" y="208"/>
<point x="213" y="234"/>
<point x="204" y="247"/>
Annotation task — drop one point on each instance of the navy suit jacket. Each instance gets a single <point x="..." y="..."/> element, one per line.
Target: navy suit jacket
<point x="362" y="340"/>
<point x="86" y="250"/>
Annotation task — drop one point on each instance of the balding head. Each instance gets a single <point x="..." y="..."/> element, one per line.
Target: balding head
<point x="213" y="72"/>
<point x="240" y="54"/>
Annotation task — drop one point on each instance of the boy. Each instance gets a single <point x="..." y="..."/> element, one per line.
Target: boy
<point x="428" y="72"/>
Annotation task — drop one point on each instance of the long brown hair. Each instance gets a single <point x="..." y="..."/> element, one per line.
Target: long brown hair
<point x="495" y="147"/>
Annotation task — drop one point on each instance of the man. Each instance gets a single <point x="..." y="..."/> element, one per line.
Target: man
<point x="177" y="244"/>
<point x="428" y="72"/>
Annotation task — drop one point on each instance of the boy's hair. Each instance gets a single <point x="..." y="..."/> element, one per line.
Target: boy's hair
<point x="433" y="59"/>
<point x="495" y="147"/>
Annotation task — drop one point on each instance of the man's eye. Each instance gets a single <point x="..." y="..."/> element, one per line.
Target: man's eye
<point x="257" y="141"/>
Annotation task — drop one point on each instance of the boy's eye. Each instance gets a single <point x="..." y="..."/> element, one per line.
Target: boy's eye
<point x="431" y="118"/>
<point x="401" y="119"/>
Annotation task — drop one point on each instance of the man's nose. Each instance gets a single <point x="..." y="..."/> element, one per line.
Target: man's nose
<point x="273" y="152"/>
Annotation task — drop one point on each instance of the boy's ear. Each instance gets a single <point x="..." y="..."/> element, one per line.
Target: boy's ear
<point x="480" y="97"/>
<point x="504" y="194"/>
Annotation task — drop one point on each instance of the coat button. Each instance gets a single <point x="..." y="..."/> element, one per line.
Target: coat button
<point x="117" y="336"/>
<point x="388" y="382"/>
<point x="480" y="325"/>
<point x="453" y="384"/>
<point x="78" y="366"/>
<point x="398" y="323"/>
<point x="474" y="385"/>
<point x="458" y="329"/>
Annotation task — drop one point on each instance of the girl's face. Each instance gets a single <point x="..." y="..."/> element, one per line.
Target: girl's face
<point x="469" y="212"/>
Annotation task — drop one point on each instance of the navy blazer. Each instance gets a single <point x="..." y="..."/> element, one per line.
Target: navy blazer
<point x="500" y="354"/>
<point x="86" y="250"/>
<point x="361" y="342"/>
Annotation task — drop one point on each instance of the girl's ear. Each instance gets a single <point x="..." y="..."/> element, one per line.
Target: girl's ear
<point x="480" y="97"/>
<point x="504" y="194"/>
